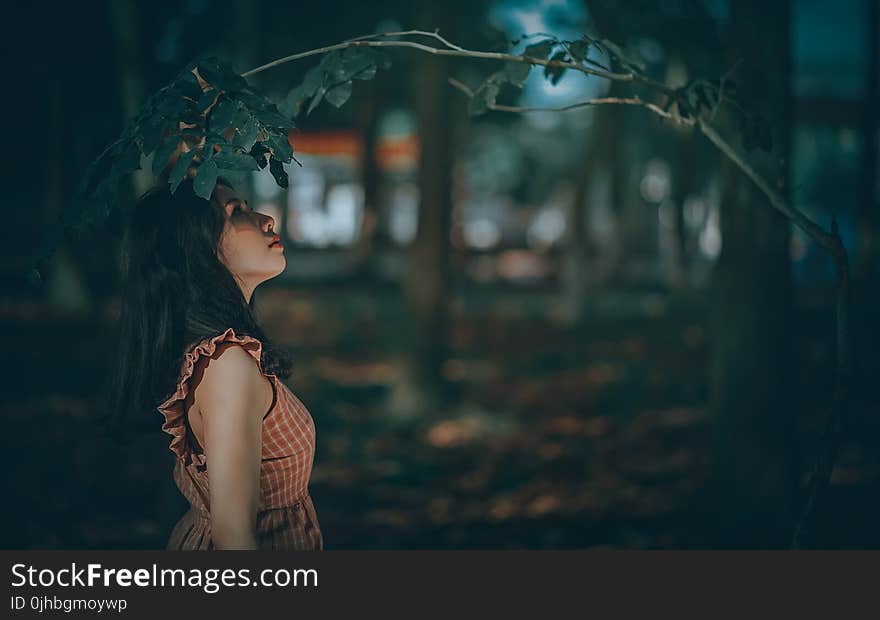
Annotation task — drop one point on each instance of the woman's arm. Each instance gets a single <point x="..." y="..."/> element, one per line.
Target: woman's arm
<point x="231" y="397"/>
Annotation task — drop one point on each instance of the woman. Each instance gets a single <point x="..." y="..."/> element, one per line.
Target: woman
<point x="190" y="346"/>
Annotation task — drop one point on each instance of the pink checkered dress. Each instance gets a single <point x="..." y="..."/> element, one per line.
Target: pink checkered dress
<point x="286" y="517"/>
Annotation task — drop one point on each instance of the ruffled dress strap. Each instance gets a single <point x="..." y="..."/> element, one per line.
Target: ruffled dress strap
<point x="173" y="408"/>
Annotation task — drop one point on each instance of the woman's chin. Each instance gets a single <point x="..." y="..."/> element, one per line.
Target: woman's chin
<point x="276" y="270"/>
<point x="281" y="267"/>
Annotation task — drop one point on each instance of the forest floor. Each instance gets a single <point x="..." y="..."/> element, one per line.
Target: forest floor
<point x="556" y="437"/>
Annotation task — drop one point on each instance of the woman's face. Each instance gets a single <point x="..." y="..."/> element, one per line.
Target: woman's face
<point x="246" y="245"/>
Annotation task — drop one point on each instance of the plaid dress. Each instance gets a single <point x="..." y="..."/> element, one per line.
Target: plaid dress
<point x="286" y="517"/>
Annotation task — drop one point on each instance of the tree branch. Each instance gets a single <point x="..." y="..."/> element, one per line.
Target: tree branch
<point x="435" y="35"/>
<point x="799" y="218"/>
<point x="829" y="241"/>
<point x="457" y="51"/>
<point x="636" y="101"/>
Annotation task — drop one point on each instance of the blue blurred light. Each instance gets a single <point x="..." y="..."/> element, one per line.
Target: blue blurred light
<point x="565" y="19"/>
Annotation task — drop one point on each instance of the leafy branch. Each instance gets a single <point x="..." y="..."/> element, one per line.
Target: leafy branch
<point x="694" y="104"/>
<point x="209" y="121"/>
<point x="205" y="123"/>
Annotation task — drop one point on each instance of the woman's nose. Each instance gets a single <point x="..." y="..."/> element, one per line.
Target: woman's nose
<point x="270" y="221"/>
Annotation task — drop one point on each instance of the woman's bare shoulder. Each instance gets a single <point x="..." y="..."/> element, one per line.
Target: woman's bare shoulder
<point x="231" y="380"/>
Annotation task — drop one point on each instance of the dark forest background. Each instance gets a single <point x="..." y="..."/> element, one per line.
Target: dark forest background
<point x="543" y="330"/>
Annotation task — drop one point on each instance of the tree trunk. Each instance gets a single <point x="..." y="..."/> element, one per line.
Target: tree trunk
<point x="869" y="222"/>
<point x="578" y="250"/>
<point x="421" y="386"/>
<point x="752" y="402"/>
<point x="123" y="17"/>
<point x="368" y="113"/>
<point x="576" y="259"/>
<point x="618" y="169"/>
<point x="66" y="286"/>
<point x="684" y="183"/>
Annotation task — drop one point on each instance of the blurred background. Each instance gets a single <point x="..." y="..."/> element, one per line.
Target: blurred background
<point x="540" y="330"/>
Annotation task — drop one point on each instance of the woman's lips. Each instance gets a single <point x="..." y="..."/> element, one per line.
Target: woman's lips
<point x="276" y="244"/>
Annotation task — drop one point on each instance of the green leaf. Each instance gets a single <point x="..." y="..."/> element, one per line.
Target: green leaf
<point x="628" y="58"/>
<point x="294" y="100"/>
<point x="152" y="131"/>
<point x="313" y="80"/>
<point x="191" y="117"/>
<point x="316" y="100"/>
<point x="206" y="99"/>
<point x="271" y="117"/>
<point x="555" y="73"/>
<point x="297" y="96"/>
<point x="540" y="51"/>
<point x="149" y="106"/>
<point x="211" y="140"/>
<point x="709" y="93"/>
<point x="99" y="167"/>
<point x="246" y="129"/>
<point x="155" y="131"/>
<point x="251" y="99"/>
<point x="349" y="64"/>
<point x="235" y="161"/>
<point x="380" y="58"/>
<point x="164" y="152"/>
<point x="128" y="160"/>
<point x="223" y="115"/>
<point x="280" y="146"/>
<point x="334" y="69"/>
<point x="188" y="85"/>
<point x="578" y="49"/>
<point x="496" y="38"/>
<point x="172" y="105"/>
<point x="484" y="96"/>
<point x="219" y="75"/>
<point x="258" y="152"/>
<point x="206" y="179"/>
<point x="517" y="72"/>
<point x="339" y="95"/>
<point x="277" y="170"/>
<point x="367" y="73"/>
<point x="178" y="172"/>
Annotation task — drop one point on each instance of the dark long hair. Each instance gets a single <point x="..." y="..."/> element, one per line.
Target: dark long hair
<point x="175" y="292"/>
